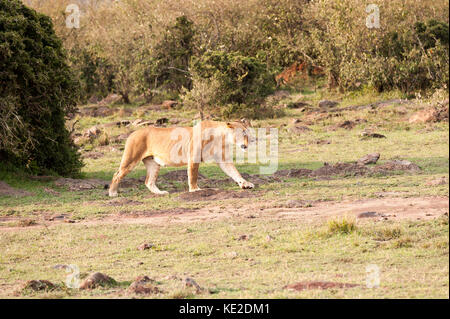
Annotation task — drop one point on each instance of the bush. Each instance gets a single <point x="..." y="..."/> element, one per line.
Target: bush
<point x="240" y="80"/>
<point x="95" y="73"/>
<point x="166" y="65"/>
<point x="38" y="90"/>
<point x="401" y="54"/>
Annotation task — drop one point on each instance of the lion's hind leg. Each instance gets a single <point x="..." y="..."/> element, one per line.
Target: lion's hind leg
<point x="152" y="175"/>
<point x="127" y="164"/>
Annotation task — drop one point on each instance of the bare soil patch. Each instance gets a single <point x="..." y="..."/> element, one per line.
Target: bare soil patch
<point x="79" y="184"/>
<point x="6" y="190"/>
<point x="213" y="194"/>
<point x="307" y="285"/>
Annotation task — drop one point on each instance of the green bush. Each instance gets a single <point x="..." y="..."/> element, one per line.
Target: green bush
<point x="38" y="90"/>
<point x="241" y="80"/>
<point x="95" y="73"/>
<point x="402" y="54"/>
<point x="165" y="67"/>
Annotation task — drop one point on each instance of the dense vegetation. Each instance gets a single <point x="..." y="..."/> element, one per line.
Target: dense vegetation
<point x="219" y="56"/>
<point x="37" y="91"/>
<point x="154" y="49"/>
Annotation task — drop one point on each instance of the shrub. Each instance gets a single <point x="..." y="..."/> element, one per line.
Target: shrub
<point x="401" y="54"/>
<point x="241" y="80"/>
<point x="341" y="226"/>
<point x="95" y="73"/>
<point x="166" y="65"/>
<point x="38" y="90"/>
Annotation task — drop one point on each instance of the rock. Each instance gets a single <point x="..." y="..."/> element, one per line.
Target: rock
<point x="162" y="121"/>
<point x="269" y="238"/>
<point x="92" y="132"/>
<point x="369" y="159"/>
<point x="366" y="134"/>
<point x="432" y="114"/>
<point x="145" y="246"/>
<point x="438" y="181"/>
<point x="327" y="104"/>
<point x="137" y="122"/>
<point x="189" y="282"/>
<point x="245" y="237"/>
<point x="168" y="104"/>
<point x="123" y="123"/>
<point x="145" y="123"/>
<point x="95" y="280"/>
<point x="38" y="285"/>
<point x="367" y="214"/>
<point x="299" y="129"/>
<point x="143" y="285"/>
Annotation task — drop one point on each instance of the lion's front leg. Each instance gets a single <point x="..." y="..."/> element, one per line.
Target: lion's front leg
<point x="231" y="171"/>
<point x="193" y="176"/>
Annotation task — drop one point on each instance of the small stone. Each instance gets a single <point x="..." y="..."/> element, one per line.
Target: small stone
<point x="96" y="279"/>
<point x="369" y="159"/>
<point x="143" y="285"/>
<point x="327" y="104"/>
<point x="366" y="134"/>
<point x="367" y="214"/>
<point x="38" y="285"/>
<point x="189" y="282"/>
<point x="93" y="132"/>
<point x="145" y="246"/>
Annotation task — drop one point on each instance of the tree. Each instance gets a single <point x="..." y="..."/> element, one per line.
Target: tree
<point x="37" y="91"/>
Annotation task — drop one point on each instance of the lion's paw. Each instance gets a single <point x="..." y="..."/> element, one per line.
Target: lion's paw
<point x="195" y="189"/>
<point x="246" y="185"/>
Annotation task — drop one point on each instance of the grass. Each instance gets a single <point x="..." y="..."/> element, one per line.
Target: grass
<point x="412" y="255"/>
<point x="257" y="268"/>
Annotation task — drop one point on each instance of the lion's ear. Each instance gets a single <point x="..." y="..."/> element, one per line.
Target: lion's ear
<point x="229" y="125"/>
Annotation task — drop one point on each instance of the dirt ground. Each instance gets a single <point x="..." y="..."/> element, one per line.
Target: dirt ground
<point x="374" y="209"/>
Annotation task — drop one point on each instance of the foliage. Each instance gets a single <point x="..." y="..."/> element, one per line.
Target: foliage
<point x="166" y="65"/>
<point x="38" y="90"/>
<point x="240" y="79"/>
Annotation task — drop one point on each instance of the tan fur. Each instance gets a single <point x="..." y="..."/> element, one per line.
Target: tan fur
<point x="153" y="146"/>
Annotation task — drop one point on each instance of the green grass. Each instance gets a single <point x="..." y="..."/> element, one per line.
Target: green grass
<point x="229" y="268"/>
<point x="412" y="255"/>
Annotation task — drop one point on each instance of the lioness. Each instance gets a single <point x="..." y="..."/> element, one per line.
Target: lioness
<point x="158" y="147"/>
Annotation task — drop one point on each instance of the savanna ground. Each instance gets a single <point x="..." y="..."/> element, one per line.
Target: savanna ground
<point x="291" y="228"/>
